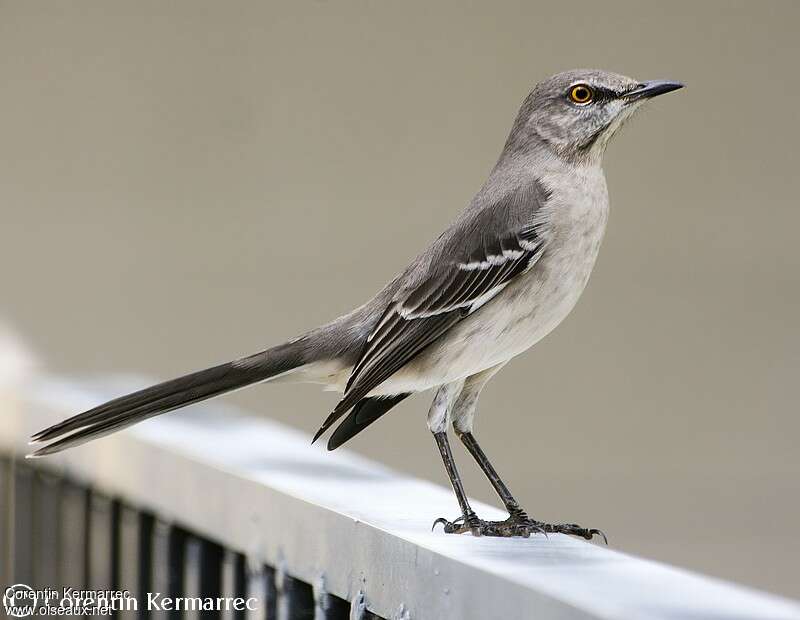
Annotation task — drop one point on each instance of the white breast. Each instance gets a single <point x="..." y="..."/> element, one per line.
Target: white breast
<point x="574" y="222"/>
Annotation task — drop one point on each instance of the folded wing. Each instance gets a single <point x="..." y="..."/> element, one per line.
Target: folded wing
<point x="484" y="250"/>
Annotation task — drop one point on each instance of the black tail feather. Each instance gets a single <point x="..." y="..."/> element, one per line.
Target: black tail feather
<point x="366" y="411"/>
<point x="167" y="396"/>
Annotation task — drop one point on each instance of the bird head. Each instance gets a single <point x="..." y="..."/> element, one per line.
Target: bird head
<point x="575" y="113"/>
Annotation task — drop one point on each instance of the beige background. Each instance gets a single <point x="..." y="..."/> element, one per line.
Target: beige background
<point x="182" y="183"/>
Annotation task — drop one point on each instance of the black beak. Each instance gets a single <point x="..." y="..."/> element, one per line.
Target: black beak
<point x="650" y="89"/>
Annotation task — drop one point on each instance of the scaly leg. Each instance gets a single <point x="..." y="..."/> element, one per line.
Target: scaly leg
<point x="468" y="521"/>
<point x="438" y="419"/>
<point x="518" y="522"/>
<point x="461" y="411"/>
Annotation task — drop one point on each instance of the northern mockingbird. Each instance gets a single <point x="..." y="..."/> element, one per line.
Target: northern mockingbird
<point x="501" y="277"/>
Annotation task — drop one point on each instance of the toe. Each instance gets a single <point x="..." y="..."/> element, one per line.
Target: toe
<point x="456" y="526"/>
<point x="573" y="529"/>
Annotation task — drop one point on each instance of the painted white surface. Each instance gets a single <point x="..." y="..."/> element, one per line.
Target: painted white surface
<point x="261" y="488"/>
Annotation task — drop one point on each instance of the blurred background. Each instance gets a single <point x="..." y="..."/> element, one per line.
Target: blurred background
<point x="186" y="182"/>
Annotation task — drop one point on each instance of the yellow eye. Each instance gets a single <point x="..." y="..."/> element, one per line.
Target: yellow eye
<point x="581" y="94"/>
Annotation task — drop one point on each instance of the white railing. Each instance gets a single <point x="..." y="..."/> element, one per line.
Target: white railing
<point x="207" y="500"/>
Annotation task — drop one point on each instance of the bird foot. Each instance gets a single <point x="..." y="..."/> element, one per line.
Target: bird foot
<point x="479" y="527"/>
<point x="517" y="524"/>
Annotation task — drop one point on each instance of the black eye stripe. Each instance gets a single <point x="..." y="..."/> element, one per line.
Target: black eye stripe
<point x="598" y="94"/>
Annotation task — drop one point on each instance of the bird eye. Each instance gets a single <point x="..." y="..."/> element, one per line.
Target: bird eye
<point x="581" y="94"/>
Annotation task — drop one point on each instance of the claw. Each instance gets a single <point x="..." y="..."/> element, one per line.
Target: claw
<point x="594" y="531"/>
<point x="456" y="526"/>
<point x="573" y="529"/>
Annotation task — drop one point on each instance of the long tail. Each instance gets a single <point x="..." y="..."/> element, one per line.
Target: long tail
<point x="174" y="394"/>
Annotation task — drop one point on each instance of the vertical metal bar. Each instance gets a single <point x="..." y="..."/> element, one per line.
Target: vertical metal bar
<point x="6" y="509"/>
<point x="240" y="582"/>
<point x="192" y="588"/>
<point x="234" y="582"/>
<point x="359" y="611"/>
<point x="116" y="514"/>
<point x="128" y="559"/>
<point x="175" y="565"/>
<point x="271" y="595"/>
<point x="202" y="575"/>
<point x="257" y="589"/>
<point x="147" y="543"/>
<point x="211" y="573"/>
<point x="160" y="560"/>
<point x="328" y="606"/>
<point x="45" y="534"/>
<point x="338" y="609"/>
<point x="101" y="535"/>
<point x="295" y="598"/>
<point x="72" y="530"/>
<point x="147" y="524"/>
<point x="262" y="587"/>
<point x="23" y="524"/>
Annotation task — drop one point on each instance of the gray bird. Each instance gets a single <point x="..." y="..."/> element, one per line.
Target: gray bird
<point x="500" y="278"/>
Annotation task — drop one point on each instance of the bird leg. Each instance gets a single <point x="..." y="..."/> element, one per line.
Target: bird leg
<point x="518" y="522"/>
<point x="511" y="504"/>
<point x="468" y="521"/>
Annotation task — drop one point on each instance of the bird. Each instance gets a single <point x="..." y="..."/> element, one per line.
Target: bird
<point x="504" y="274"/>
